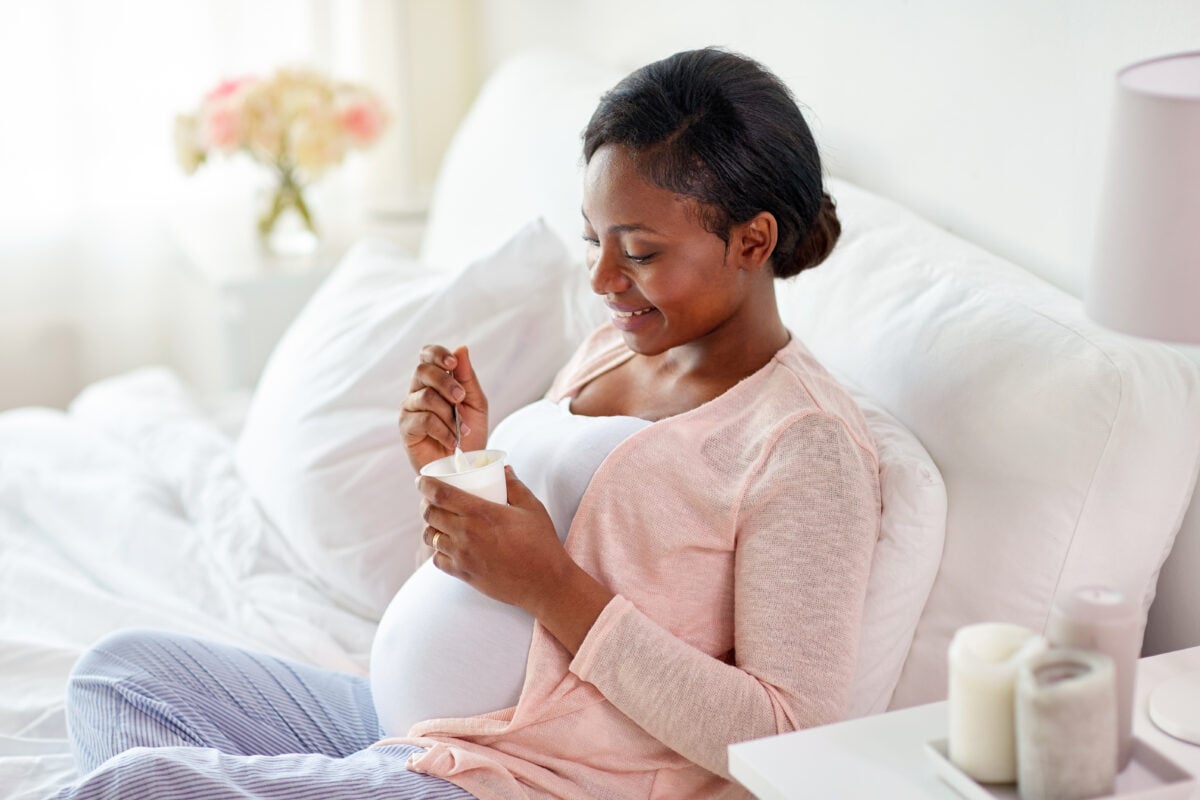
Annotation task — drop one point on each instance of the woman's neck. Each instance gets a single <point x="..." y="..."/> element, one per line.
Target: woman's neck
<point x="738" y="348"/>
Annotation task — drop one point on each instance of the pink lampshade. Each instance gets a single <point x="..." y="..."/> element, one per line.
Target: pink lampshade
<point x="1145" y="277"/>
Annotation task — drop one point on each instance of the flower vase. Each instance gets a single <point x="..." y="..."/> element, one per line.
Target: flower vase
<point x="286" y="227"/>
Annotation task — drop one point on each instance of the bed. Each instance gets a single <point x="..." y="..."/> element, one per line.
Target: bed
<point x="1025" y="450"/>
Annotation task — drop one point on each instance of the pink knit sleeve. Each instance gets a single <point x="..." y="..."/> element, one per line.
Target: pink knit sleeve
<point x="807" y="524"/>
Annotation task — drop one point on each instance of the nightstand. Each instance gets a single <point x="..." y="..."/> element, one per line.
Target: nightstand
<point x="231" y="300"/>
<point x="883" y="756"/>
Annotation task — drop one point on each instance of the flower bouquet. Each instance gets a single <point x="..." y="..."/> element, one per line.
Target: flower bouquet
<point x="297" y="122"/>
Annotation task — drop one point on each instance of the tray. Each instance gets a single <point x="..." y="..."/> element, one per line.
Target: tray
<point x="1149" y="776"/>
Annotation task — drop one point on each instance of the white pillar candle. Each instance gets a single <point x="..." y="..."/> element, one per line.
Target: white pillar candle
<point x="983" y="671"/>
<point x="1066" y="725"/>
<point x="1104" y="620"/>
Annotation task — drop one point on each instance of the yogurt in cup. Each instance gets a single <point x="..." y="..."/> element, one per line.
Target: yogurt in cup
<point x="484" y="476"/>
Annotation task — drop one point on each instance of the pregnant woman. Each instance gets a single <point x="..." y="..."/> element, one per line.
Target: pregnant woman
<point x="681" y="564"/>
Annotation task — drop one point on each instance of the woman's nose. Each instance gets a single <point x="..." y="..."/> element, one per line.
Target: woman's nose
<point x="606" y="274"/>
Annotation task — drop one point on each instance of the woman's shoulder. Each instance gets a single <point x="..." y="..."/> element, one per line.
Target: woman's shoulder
<point x="795" y="385"/>
<point x="800" y="366"/>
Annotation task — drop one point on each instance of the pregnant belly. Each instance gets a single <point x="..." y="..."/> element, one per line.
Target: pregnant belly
<point x="443" y="649"/>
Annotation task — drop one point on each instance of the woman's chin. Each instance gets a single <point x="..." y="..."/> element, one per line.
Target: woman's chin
<point x="643" y="344"/>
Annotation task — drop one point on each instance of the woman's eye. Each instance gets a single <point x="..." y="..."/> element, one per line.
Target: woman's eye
<point x="594" y="241"/>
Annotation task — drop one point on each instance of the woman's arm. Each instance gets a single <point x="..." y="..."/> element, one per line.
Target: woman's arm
<point x="807" y="526"/>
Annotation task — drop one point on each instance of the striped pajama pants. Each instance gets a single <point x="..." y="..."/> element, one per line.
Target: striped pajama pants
<point x="158" y="715"/>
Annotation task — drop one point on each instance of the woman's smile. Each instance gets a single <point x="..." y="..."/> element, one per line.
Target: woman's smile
<point x="629" y="318"/>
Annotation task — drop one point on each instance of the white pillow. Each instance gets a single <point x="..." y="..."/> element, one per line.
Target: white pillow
<point x="320" y="448"/>
<point x="906" y="557"/>
<point x="1069" y="452"/>
<point x="518" y="154"/>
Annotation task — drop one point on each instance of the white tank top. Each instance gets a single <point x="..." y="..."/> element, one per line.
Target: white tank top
<point x="443" y="649"/>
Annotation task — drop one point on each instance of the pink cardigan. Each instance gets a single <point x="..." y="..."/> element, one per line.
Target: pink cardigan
<point x="737" y="538"/>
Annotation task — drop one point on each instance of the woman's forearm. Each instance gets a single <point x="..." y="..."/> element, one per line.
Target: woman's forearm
<point x="570" y="604"/>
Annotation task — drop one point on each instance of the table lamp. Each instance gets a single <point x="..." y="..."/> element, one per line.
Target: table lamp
<point x="1145" y="276"/>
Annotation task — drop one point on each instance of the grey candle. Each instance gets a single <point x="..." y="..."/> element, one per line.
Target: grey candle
<point x="1066" y="711"/>
<point x="1104" y="620"/>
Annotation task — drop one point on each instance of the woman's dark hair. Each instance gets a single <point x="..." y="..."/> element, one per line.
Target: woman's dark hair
<point x="722" y="129"/>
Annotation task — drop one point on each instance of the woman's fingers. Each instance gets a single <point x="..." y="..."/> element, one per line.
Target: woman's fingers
<point x="440" y="497"/>
<point x="426" y="414"/>
<point x="464" y="373"/>
<point x="451" y="567"/>
<point x="445" y="531"/>
<point x="439" y="356"/>
<point x="473" y="408"/>
<point x="431" y="376"/>
<point x="438" y="540"/>
<point x="428" y="410"/>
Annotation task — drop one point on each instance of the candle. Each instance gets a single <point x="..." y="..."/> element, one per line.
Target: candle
<point x="983" y="670"/>
<point x="1066" y="725"/>
<point x="1104" y="620"/>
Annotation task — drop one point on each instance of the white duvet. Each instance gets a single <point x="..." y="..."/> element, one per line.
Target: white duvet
<point x="127" y="511"/>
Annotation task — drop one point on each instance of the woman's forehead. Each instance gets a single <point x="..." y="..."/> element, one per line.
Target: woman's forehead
<point x="617" y="197"/>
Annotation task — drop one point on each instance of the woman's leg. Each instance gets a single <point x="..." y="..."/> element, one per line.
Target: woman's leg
<point x="154" y="714"/>
<point x="155" y="689"/>
<point x="194" y="773"/>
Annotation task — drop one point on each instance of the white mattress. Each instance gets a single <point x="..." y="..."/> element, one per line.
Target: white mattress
<point x="127" y="511"/>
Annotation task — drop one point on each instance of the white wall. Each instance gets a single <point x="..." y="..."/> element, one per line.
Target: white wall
<point x="89" y="253"/>
<point x="987" y="116"/>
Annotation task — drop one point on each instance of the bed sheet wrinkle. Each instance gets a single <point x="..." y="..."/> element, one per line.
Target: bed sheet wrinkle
<point x="187" y="449"/>
<point x="34" y="777"/>
<point x="127" y="511"/>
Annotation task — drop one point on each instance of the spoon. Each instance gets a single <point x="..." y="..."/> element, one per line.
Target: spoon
<point x="460" y="459"/>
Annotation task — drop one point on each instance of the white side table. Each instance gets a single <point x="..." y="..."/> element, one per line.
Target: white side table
<point x="232" y="300"/>
<point x="884" y="755"/>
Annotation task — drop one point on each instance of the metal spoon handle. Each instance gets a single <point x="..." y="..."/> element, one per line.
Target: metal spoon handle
<point x="457" y="432"/>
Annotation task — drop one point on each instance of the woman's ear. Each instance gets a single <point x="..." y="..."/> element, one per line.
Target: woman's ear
<point x="752" y="242"/>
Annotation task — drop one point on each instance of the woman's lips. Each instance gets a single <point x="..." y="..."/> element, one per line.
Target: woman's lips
<point x="628" y="318"/>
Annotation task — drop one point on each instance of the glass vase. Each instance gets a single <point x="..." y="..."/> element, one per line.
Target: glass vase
<point x="286" y="227"/>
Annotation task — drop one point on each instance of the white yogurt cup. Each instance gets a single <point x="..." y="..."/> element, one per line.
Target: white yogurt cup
<point x="485" y="477"/>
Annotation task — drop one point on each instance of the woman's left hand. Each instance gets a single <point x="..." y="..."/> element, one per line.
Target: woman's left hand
<point x="512" y="554"/>
<point x="508" y="552"/>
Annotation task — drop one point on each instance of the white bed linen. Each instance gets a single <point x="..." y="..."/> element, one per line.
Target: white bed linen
<point x="126" y="511"/>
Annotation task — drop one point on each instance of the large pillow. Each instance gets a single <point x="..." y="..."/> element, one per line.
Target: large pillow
<point x="906" y="556"/>
<point x="1069" y="452"/>
<point x="320" y="448"/>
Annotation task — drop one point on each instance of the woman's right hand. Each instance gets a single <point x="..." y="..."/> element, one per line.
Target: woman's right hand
<point x="442" y="380"/>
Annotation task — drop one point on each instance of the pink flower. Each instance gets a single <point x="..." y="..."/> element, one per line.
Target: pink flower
<point x="221" y="115"/>
<point x="222" y="128"/>
<point x="227" y="88"/>
<point x="363" y="120"/>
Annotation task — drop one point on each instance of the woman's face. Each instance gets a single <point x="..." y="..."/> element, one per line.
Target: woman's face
<point x="666" y="280"/>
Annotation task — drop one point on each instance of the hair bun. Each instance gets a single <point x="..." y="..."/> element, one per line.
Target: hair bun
<point x="819" y="242"/>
